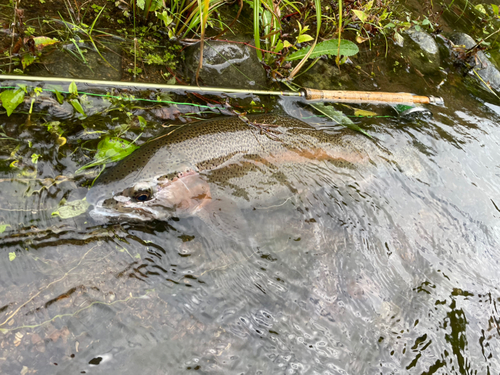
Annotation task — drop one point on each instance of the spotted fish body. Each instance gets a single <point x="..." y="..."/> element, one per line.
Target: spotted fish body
<point x="222" y="157"/>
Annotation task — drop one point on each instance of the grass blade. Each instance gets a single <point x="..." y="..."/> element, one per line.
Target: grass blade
<point x="256" y="26"/>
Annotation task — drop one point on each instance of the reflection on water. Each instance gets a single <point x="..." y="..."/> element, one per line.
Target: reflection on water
<point x="388" y="268"/>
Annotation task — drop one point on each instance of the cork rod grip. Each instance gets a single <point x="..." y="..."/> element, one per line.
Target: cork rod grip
<point x="364" y="96"/>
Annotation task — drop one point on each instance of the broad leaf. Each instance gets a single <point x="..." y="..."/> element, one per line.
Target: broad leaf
<point x="43" y="41"/>
<point x="495" y="9"/>
<point x="304" y="38"/>
<point x="27" y="60"/>
<point x="338" y="117"/>
<point x="11" y="99"/>
<point x="164" y="16"/>
<point x="109" y="150"/>
<point x="361" y="15"/>
<point x="59" y="96"/>
<point x="114" y="149"/>
<point x="363" y="113"/>
<point x="73" y="89"/>
<point x="76" y="104"/>
<point x="71" y="209"/>
<point x="328" y="47"/>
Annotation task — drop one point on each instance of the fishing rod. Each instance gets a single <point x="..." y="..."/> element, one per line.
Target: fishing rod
<point x="341" y="96"/>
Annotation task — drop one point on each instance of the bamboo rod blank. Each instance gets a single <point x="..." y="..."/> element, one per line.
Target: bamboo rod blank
<point x="147" y="85"/>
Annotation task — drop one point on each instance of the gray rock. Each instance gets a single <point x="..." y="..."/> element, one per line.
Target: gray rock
<point x="479" y="62"/>
<point x="422" y="51"/>
<point x="229" y="65"/>
<point x="424" y="40"/>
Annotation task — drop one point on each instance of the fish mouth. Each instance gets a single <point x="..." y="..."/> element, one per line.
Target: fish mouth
<point x="184" y="195"/>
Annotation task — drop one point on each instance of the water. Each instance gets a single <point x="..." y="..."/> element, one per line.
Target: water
<point x="391" y="268"/>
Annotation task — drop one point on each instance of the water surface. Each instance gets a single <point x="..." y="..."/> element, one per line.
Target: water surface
<point x="390" y="267"/>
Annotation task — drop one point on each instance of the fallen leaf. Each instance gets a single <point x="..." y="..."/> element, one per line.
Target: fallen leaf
<point x="60" y="333"/>
<point x="363" y="113"/>
<point x="61" y="141"/>
<point x="43" y="41"/>
<point x="71" y="209"/>
<point x="35" y="338"/>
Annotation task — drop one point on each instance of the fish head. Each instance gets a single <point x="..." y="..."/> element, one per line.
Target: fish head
<point x="158" y="198"/>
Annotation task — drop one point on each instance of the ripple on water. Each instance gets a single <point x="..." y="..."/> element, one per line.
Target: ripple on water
<point x="387" y="267"/>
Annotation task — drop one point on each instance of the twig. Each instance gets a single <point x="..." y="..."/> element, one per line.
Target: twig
<point x="13" y="35"/>
<point x="45" y="288"/>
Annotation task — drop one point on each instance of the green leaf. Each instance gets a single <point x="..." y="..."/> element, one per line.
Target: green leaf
<point x="114" y="149"/>
<point x="76" y="104"/>
<point x="142" y="122"/>
<point x="73" y="89"/>
<point x="328" y="47"/>
<point x="12" y="256"/>
<point x="34" y="158"/>
<point x="361" y="15"/>
<point x="3" y="227"/>
<point x="109" y="150"/>
<point x="383" y="16"/>
<point x="27" y="60"/>
<point x="54" y="128"/>
<point x="71" y="209"/>
<point x="59" y="97"/>
<point x="338" y="117"/>
<point x="304" y="38"/>
<point x="167" y="20"/>
<point x="495" y="9"/>
<point x="43" y="41"/>
<point x="11" y="99"/>
<point x="279" y="46"/>
<point x="480" y="8"/>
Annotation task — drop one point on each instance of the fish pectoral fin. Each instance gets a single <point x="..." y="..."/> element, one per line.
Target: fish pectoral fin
<point x="225" y="218"/>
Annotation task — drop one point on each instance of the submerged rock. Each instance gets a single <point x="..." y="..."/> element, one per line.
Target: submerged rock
<point x="229" y="65"/>
<point x="477" y="60"/>
<point x="424" y="40"/>
<point x="324" y="75"/>
<point x="422" y="51"/>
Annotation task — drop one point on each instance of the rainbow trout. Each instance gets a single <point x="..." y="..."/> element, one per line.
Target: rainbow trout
<point x="211" y="167"/>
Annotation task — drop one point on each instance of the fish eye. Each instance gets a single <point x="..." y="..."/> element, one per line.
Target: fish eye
<point x="143" y="197"/>
<point x="142" y="192"/>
